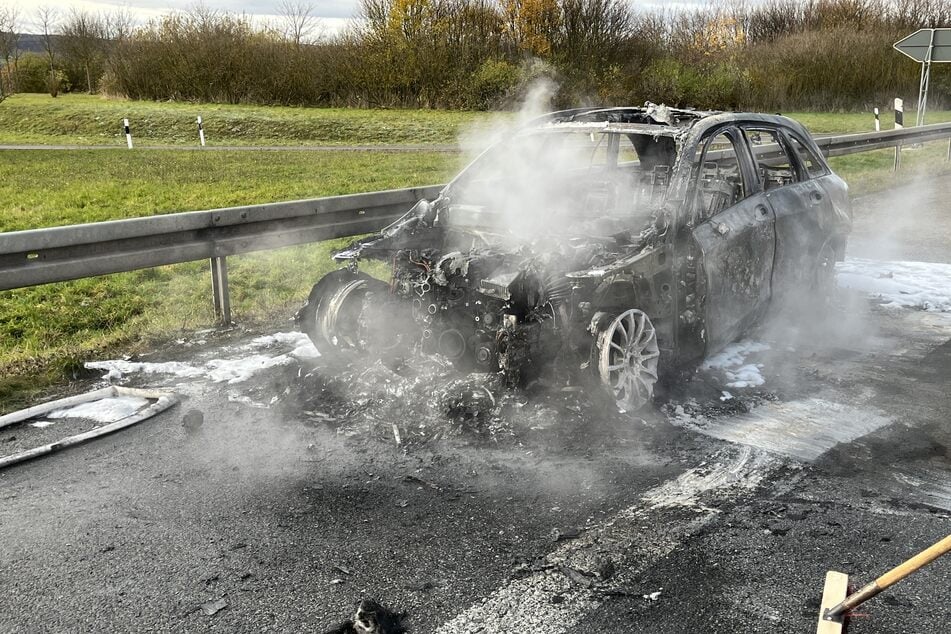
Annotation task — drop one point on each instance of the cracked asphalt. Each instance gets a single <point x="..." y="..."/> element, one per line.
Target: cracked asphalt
<point x="722" y="519"/>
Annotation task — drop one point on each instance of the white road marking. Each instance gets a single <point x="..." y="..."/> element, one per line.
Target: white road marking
<point x="803" y="429"/>
<point x="547" y="600"/>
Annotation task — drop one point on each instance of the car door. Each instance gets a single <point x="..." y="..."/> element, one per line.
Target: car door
<point x="800" y="204"/>
<point x="735" y="234"/>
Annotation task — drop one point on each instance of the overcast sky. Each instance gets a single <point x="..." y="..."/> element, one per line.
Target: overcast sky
<point x="334" y="14"/>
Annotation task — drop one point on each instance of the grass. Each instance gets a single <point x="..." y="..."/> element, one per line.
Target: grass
<point x="42" y="189"/>
<point x="92" y="120"/>
<point x="870" y="172"/>
<point x="46" y="332"/>
<point x="848" y="122"/>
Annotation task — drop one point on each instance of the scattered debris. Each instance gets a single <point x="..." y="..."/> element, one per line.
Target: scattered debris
<point x="606" y="569"/>
<point x="211" y="608"/>
<point x="577" y="577"/>
<point x="560" y="534"/>
<point x="372" y="618"/>
<point x="192" y="420"/>
<point x="422" y="586"/>
<point x="653" y="596"/>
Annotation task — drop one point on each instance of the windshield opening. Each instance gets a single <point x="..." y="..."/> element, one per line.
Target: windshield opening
<point x="558" y="179"/>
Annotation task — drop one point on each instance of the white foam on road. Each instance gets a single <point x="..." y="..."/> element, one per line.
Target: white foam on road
<point x="921" y="285"/>
<point x="731" y="361"/>
<point x="106" y="410"/>
<point x="525" y="604"/>
<point x="803" y="429"/>
<point x="235" y="364"/>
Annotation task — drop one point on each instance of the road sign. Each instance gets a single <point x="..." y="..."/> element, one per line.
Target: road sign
<point x="917" y="45"/>
<point x="926" y="46"/>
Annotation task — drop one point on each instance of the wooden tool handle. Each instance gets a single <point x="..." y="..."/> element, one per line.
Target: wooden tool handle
<point x="923" y="558"/>
<point x="894" y="575"/>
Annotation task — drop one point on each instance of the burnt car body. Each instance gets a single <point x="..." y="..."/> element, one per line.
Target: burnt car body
<point x="621" y="242"/>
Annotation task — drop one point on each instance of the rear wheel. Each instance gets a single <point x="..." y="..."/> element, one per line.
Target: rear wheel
<point x="627" y="357"/>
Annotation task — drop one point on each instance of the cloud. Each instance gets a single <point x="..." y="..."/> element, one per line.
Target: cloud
<point x="144" y="10"/>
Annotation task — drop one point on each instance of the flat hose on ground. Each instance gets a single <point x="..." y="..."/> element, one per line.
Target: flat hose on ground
<point x="163" y="401"/>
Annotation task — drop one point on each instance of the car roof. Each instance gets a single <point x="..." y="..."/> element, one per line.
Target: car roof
<point x="652" y="119"/>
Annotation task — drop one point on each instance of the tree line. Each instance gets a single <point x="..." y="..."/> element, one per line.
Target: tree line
<point x="481" y="54"/>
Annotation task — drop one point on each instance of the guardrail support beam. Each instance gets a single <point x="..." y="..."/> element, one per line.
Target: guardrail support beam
<point x="220" y="291"/>
<point x="897" y="158"/>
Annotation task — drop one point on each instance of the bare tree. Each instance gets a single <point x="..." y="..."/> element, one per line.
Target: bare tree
<point x="118" y="24"/>
<point x="9" y="44"/>
<point x="83" y="36"/>
<point x="299" y="20"/>
<point x="46" y="19"/>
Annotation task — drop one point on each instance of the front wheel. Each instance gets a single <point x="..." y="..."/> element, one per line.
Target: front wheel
<point x="627" y="356"/>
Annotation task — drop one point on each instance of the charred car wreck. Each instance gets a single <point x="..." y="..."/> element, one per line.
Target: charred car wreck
<point x="621" y="242"/>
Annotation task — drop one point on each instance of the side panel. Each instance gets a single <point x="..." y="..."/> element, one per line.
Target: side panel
<point x="737" y="248"/>
<point x="799" y="208"/>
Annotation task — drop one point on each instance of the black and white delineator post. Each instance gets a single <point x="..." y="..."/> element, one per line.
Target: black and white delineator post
<point x="128" y="133"/>
<point x="926" y="46"/>
<point x="899" y="124"/>
<point x="878" y="122"/>
<point x="201" y="132"/>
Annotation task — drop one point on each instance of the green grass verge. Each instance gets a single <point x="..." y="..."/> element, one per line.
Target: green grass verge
<point x="92" y="120"/>
<point x="848" y="122"/>
<point x="43" y="188"/>
<point x="870" y="172"/>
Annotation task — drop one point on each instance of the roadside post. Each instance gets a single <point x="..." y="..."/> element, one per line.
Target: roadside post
<point x="221" y="294"/>
<point x="899" y="124"/>
<point x="128" y="133"/>
<point x="201" y="132"/>
<point x="878" y="122"/>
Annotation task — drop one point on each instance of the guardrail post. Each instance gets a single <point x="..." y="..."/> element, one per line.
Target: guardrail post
<point x="219" y="289"/>
<point x="949" y="149"/>
<point x="897" y="157"/>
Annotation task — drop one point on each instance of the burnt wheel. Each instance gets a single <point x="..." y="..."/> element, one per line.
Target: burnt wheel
<point x="627" y="356"/>
<point x="333" y="316"/>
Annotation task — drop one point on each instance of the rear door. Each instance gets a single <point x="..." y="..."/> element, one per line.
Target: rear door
<point x="800" y="203"/>
<point x="735" y="235"/>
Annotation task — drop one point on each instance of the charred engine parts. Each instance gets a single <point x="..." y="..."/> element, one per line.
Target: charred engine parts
<point x="476" y="309"/>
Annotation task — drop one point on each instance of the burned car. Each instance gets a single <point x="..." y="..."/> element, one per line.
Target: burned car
<point x="618" y="242"/>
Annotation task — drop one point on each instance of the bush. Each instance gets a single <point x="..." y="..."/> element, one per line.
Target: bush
<point x="32" y="73"/>
<point x="492" y="83"/>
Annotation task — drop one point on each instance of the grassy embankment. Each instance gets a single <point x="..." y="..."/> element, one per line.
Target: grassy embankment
<point x="46" y="332"/>
<point x="91" y="120"/>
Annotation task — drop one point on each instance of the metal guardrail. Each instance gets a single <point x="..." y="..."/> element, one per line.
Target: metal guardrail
<point x="840" y="145"/>
<point x="59" y="254"/>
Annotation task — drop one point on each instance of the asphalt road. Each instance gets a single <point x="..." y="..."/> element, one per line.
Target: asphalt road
<point x="540" y="513"/>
